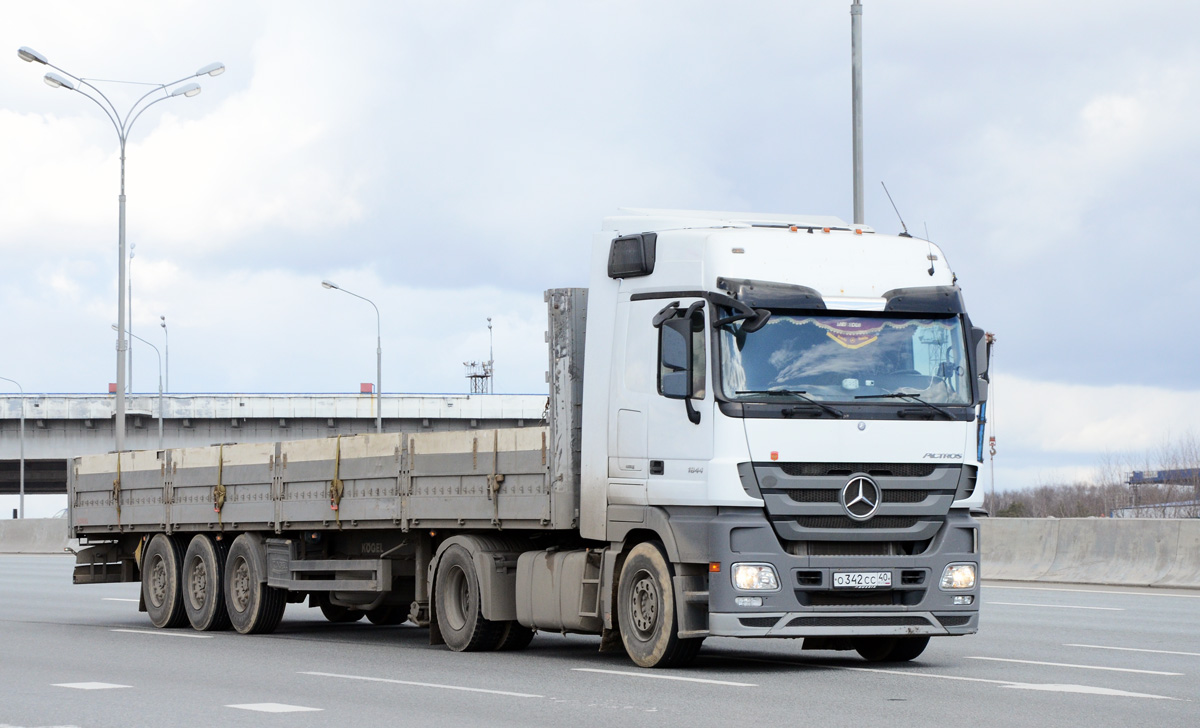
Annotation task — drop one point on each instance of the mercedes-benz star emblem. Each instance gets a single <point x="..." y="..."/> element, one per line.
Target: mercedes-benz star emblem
<point x="860" y="497"/>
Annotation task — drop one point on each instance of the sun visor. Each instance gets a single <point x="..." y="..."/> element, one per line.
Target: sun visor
<point x="768" y="294"/>
<point x="925" y="299"/>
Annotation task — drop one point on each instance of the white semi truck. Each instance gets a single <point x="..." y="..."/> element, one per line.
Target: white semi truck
<point x="757" y="426"/>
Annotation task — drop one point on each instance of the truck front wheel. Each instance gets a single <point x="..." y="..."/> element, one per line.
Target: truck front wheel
<point x="459" y="605"/>
<point x="890" y="649"/>
<point x="161" y="572"/>
<point x="646" y="611"/>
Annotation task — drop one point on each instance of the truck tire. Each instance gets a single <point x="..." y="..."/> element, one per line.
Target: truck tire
<point x="387" y="615"/>
<point x="646" y="611"/>
<point x="161" y="577"/>
<point x="339" y="614"/>
<point x="254" y="607"/>
<point x="890" y="649"/>
<point x="204" y="584"/>
<point x="514" y="636"/>
<point x="459" y="604"/>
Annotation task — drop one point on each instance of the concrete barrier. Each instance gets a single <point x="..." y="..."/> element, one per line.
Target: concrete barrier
<point x="34" y="536"/>
<point x="1124" y="551"/>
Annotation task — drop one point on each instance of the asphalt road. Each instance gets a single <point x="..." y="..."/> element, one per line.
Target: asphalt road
<point x="1046" y="655"/>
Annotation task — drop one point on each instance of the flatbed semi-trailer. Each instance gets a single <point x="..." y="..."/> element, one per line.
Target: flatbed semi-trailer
<point x="756" y="426"/>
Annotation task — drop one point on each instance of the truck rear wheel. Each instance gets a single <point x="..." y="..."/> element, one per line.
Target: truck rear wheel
<point x="646" y="611"/>
<point x="890" y="649"/>
<point x="459" y="604"/>
<point x="254" y="607"/>
<point x="514" y="636"/>
<point x="161" y="570"/>
<point x="388" y="615"/>
<point x="339" y="614"/>
<point x="203" y="584"/>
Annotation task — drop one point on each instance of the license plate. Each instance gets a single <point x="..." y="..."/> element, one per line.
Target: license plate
<point x="861" y="579"/>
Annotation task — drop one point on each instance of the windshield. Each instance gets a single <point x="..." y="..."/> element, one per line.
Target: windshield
<point x="839" y="358"/>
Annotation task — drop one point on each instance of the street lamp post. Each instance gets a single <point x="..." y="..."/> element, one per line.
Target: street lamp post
<point x="160" y="384"/>
<point x="166" y="350"/>
<point x="378" y="353"/>
<point x="123" y="125"/>
<point x="21" y="476"/>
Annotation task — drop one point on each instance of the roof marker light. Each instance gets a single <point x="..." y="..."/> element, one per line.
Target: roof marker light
<point x="824" y="230"/>
<point x="794" y="229"/>
<point x="858" y="231"/>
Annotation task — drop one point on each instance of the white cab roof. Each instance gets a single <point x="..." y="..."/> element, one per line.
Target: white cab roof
<point x="632" y="220"/>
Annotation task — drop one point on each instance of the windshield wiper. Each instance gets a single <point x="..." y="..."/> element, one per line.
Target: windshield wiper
<point x="798" y="393"/>
<point x="914" y="397"/>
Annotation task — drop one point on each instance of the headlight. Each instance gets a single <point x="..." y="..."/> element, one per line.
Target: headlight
<point x="959" y="576"/>
<point x="757" y="577"/>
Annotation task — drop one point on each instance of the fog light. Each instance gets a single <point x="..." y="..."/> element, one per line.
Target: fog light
<point x="964" y="599"/>
<point x="757" y="577"/>
<point x="750" y="601"/>
<point x="959" y="576"/>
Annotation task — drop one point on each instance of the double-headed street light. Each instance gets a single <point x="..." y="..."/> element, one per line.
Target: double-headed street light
<point x="21" y="477"/>
<point x="123" y="125"/>
<point x="378" y="353"/>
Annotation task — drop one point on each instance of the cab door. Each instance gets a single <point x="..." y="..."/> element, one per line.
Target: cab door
<point x="679" y="411"/>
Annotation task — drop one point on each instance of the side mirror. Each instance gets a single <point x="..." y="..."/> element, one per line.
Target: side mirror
<point x="675" y="358"/>
<point x="676" y="377"/>
<point x="981" y="343"/>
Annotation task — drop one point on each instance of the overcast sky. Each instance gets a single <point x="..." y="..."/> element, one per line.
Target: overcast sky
<point x="451" y="160"/>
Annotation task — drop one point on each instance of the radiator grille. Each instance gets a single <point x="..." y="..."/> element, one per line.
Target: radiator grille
<point x="830" y="495"/>
<point x="896" y="470"/>
<point x="845" y="522"/>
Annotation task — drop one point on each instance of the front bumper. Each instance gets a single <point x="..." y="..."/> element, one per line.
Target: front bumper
<point x="807" y="604"/>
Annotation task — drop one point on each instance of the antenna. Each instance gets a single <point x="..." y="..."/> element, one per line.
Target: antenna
<point x="889" y="196"/>
<point x="930" y="254"/>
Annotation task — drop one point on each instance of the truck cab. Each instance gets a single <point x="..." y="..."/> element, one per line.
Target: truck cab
<point x="791" y="406"/>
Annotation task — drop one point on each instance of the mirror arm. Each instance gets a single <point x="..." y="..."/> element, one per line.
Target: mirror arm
<point x="692" y="413"/>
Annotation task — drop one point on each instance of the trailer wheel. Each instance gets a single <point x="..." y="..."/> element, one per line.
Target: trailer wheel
<point x="203" y="584"/>
<point x="890" y="649"/>
<point x="161" y="569"/>
<point x="459" y="606"/>
<point x="646" y="611"/>
<point x="254" y="607"/>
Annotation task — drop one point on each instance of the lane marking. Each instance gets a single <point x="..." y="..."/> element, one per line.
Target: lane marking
<point x="1055" y="606"/>
<point x="1092" y="591"/>
<point x="1136" y="649"/>
<point x="1081" y="667"/>
<point x="90" y="686"/>
<point x="655" y="676"/>
<point x="118" y="599"/>
<point x="164" y="633"/>
<point x="1065" y="688"/>
<point x="423" y="684"/>
<point x="274" y="708"/>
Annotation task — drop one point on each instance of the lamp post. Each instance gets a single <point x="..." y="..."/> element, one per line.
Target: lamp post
<point x="21" y="475"/>
<point x="160" y="383"/>
<point x="129" y="309"/>
<point x="166" y="350"/>
<point x="378" y="353"/>
<point x="123" y="125"/>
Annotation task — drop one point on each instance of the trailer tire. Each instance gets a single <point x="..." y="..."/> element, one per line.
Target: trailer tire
<point x="204" y="584"/>
<point x="254" y="607"/>
<point x="646" y="611"/>
<point x="890" y="649"/>
<point x="161" y="579"/>
<point x="459" y="604"/>
<point x="514" y="636"/>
